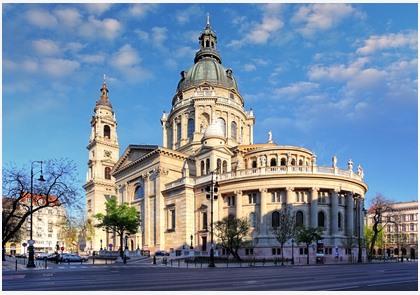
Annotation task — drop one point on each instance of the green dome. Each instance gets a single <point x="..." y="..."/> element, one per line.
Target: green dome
<point x="208" y="70"/>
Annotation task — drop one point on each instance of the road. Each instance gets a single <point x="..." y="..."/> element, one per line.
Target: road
<point x="391" y="276"/>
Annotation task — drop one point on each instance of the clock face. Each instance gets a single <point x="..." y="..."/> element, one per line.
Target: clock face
<point x="107" y="154"/>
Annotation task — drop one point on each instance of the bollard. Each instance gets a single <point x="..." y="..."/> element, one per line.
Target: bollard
<point x="154" y="259"/>
<point x="227" y="263"/>
<point x="16" y="265"/>
<point x="187" y="263"/>
<point x="45" y="260"/>
<point x="106" y="260"/>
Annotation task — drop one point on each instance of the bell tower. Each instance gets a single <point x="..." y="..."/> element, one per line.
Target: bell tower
<point x="103" y="154"/>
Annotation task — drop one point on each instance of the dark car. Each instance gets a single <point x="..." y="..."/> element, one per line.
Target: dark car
<point x="161" y="253"/>
<point x="21" y="256"/>
<point x="72" y="258"/>
<point x="53" y="257"/>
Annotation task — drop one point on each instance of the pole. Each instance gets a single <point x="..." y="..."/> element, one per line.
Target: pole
<point x="359" y="254"/>
<point x="293" y="256"/>
<point x="211" y="264"/>
<point x="31" y="263"/>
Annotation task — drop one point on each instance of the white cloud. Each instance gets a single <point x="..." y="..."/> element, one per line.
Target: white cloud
<point x="159" y="35"/>
<point x="297" y="88"/>
<point x="97" y="8"/>
<point x="29" y="66"/>
<point x="377" y="43"/>
<point x="69" y="17"/>
<point x="321" y="17"/>
<point x="73" y="46"/>
<point x="367" y="79"/>
<point x="339" y="72"/>
<point x="143" y="35"/>
<point x="127" y="61"/>
<point x="140" y="10"/>
<point x="185" y="15"/>
<point x="58" y="67"/>
<point x="249" y="67"/>
<point x="261" y="32"/>
<point x="92" y="58"/>
<point x="108" y="28"/>
<point x="41" y="18"/>
<point x="45" y="47"/>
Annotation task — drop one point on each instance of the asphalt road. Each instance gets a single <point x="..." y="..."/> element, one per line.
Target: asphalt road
<point x="384" y="277"/>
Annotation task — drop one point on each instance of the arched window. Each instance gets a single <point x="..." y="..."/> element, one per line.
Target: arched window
<point x="340" y="222"/>
<point x="293" y="162"/>
<point x="207" y="43"/>
<point x="107" y="131"/>
<point x="273" y="162"/>
<point x="283" y="162"/>
<point x="139" y="192"/>
<point x="252" y="219"/>
<point x="107" y="173"/>
<point x="178" y="132"/>
<point x="299" y="218"/>
<point x="254" y="163"/>
<point x="233" y="130"/>
<point x="275" y="219"/>
<point x="207" y="166"/>
<point x="205" y="220"/>
<point x="202" y="168"/>
<point x="224" y="167"/>
<point x="300" y="162"/>
<point x="222" y="123"/>
<point x="190" y="129"/>
<point x="321" y="219"/>
<point x="219" y="166"/>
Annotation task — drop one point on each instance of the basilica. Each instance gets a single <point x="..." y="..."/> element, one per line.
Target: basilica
<point x="209" y="134"/>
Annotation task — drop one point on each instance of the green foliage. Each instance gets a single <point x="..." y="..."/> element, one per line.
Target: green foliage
<point x="369" y="237"/>
<point x="287" y="226"/>
<point x="308" y="235"/>
<point x="119" y="218"/>
<point x="232" y="232"/>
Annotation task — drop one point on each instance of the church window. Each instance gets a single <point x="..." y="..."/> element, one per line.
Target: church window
<point x="107" y="132"/>
<point x="299" y="218"/>
<point x="254" y="163"/>
<point x="222" y="123"/>
<point x="321" y="219"/>
<point x="207" y="43"/>
<point x="202" y="168"/>
<point x="219" y="166"/>
<point x="190" y="127"/>
<point x="139" y="192"/>
<point x="107" y="173"/>
<point x="212" y="44"/>
<point x="273" y="162"/>
<point x="252" y="198"/>
<point x="283" y="162"/>
<point x="233" y="130"/>
<point x="178" y="132"/>
<point x="275" y="219"/>
<point x="293" y="162"/>
<point x="224" y="167"/>
<point x="276" y="197"/>
<point x="300" y="162"/>
<point x="204" y="215"/>
<point x="207" y="166"/>
<point x="252" y="219"/>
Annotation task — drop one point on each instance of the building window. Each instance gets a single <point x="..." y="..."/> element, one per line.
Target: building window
<point x="293" y="162"/>
<point x="221" y="122"/>
<point x="283" y="162"/>
<point x="202" y="168"/>
<point x="249" y="251"/>
<point x="171" y="221"/>
<point x="321" y="219"/>
<point x="190" y="129"/>
<point x="411" y="226"/>
<point x="231" y="201"/>
<point x="231" y="96"/>
<point x="252" y="219"/>
<point x="273" y="162"/>
<point x="139" y="192"/>
<point x="107" y="132"/>
<point x="252" y="198"/>
<point x="299" y="218"/>
<point x="178" y="132"/>
<point x="224" y="167"/>
<point x="276" y="251"/>
<point x="300" y="163"/>
<point x="107" y="173"/>
<point x="254" y="163"/>
<point x="219" y="165"/>
<point x="204" y="220"/>
<point x="207" y="166"/>
<point x="340" y="222"/>
<point x="89" y="205"/>
<point x="233" y="130"/>
<point x="275" y="219"/>
<point x="276" y="196"/>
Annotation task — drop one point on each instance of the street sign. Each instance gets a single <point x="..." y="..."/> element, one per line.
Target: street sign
<point x="24" y="244"/>
<point x="31" y="242"/>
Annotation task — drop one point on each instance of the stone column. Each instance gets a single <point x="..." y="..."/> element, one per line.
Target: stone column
<point x="314" y="207"/>
<point x="289" y="195"/>
<point x="184" y="126"/>
<point x="164" y="135"/>
<point x="238" y="203"/>
<point x="361" y="222"/>
<point x="334" y="212"/>
<point x="263" y="211"/>
<point x="349" y="214"/>
<point x="174" y="141"/>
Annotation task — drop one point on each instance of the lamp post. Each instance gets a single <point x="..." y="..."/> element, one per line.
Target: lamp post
<point x="191" y="237"/>
<point x="359" y="238"/>
<point x="212" y="189"/>
<point x="101" y="244"/>
<point x="31" y="242"/>
<point x="293" y="255"/>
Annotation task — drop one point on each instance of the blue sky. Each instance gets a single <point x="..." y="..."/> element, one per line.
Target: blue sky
<point x="339" y="79"/>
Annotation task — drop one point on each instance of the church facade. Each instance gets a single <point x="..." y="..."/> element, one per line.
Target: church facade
<point x="208" y="133"/>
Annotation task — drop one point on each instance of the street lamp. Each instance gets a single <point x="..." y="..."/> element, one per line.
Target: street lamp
<point x="191" y="237"/>
<point x="212" y="189"/>
<point x="31" y="242"/>
<point x="293" y="256"/>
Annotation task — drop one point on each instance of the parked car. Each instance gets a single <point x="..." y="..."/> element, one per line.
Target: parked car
<point x="161" y="253"/>
<point x="41" y="256"/>
<point x="53" y="257"/>
<point x="21" y="256"/>
<point x="72" y="258"/>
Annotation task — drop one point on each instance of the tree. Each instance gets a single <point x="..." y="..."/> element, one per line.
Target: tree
<point x="120" y="219"/>
<point x="232" y="232"/>
<point x="368" y="238"/>
<point x="307" y="236"/>
<point x="69" y="233"/>
<point x="59" y="189"/>
<point x="286" y="229"/>
<point x="379" y="206"/>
